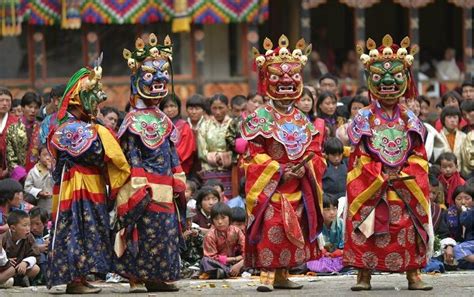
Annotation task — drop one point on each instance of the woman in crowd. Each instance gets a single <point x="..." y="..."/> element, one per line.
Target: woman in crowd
<point x="434" y="142"/>
<point x="215" y="156"/>
<point x="186" y="143"/>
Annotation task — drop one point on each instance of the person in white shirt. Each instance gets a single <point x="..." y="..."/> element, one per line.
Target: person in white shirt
<point x="39" y="181"/>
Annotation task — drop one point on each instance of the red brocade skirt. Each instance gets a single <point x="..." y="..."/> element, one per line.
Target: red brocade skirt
<point x="399" y="250"/>
<point x="275" y="250"/>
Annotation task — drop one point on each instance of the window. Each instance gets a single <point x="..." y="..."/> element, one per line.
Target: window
<point x="14" y="62"/>
<point x="112" y="40"/>
<point x="222" y="59"/>
<point x="63" y="51"/>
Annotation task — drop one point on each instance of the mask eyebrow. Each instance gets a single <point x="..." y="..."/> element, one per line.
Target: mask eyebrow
<point x="376" y="70"/>
<point x="396" y="69"/>
<point x="295" y="69"/>
<point x="148" y="69"/>
<point x="274" y="70"/>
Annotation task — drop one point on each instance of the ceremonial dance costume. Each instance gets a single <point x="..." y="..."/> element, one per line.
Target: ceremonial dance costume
<point x="284" y="203"/>
<point x="388" y="225"/>
<point x="151" y="205"/>
<point x="88" y="161"/>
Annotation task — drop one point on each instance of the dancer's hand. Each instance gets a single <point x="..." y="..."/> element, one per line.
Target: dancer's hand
<point x="300" y="172"/>
<point x="288" y="174"/>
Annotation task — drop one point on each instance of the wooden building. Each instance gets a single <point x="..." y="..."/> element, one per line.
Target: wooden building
<point x="43" y="42"/>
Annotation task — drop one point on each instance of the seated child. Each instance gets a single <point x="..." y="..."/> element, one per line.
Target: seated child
<point x="464" y="251"/>
<point x="19" y="253"/>
<point x="11" y="196"/>
<point x="39" y="220"/>
<point x="455" y="228"/>
<point x="449" y="177"/>
<point x="219" y="187"/>
<point x="39" y="182"/>
<point x="206" y="198"/>
<point x="191" y="189"/>
<point x="224" y="245"/>
<point x="191" y="256"/>
<point x="333" y="239"/>
<point x="334" y="178"/>
<point x="239" y="218"/>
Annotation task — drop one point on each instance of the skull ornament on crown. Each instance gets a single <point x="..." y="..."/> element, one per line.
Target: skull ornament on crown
<point x="280" y="70"/>
<point x="151" y="68"/>
<point x="387" y="68"/>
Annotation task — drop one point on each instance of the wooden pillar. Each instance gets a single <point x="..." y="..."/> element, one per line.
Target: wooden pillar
<point x="305" y="30"/>
<point x="414" y="38"/>
<point x="198" y="39"/>
<point x="468" y="55"/>
<point x="39" y="60"/>
<point x="91" y="48"/>
<point x="359" y="14"/>
<point x="252" y="38"/>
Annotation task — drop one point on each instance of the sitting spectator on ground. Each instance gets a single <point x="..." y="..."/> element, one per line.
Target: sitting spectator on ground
<point x="449" y="176"/>
<point x="464" y="251"/>
<point x="206" y="198"/>
<point x="332" y="235"/>
<point x="39" y="218"/>
<point x="19" y="253"/>
<point x="224" y="246"/>
<point x="11" y="196"/>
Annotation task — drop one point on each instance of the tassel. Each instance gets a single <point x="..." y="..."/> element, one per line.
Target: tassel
<point x="181" y="21"/>
<point x="70" y="14"/>
<point x="10" y="25"/>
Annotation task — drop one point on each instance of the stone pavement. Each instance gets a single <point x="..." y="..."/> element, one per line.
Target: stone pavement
<point x="450" y="284"/>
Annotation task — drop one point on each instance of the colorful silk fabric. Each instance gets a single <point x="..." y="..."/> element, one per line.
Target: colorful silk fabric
<point x="387" y="226"/>
<point x="81" y="235"/>
<point x="151" y="206"/>
<point x="284" y="219"/>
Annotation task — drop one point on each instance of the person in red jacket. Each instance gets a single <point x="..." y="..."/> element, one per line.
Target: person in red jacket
<point x="186" y="143"/>
<point x="283" y="169"/>
<point x="388" y="225"/>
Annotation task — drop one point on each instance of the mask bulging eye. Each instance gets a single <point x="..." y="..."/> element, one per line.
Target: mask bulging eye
<point x="148" y="76"/>
<point x="274" y="77"/>
<point x="376" y="77"/>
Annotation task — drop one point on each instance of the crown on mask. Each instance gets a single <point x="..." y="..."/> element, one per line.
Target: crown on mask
<point x="151" y="50"/>
<point x="387" y="51"/>
<point x="282" y="53"/>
